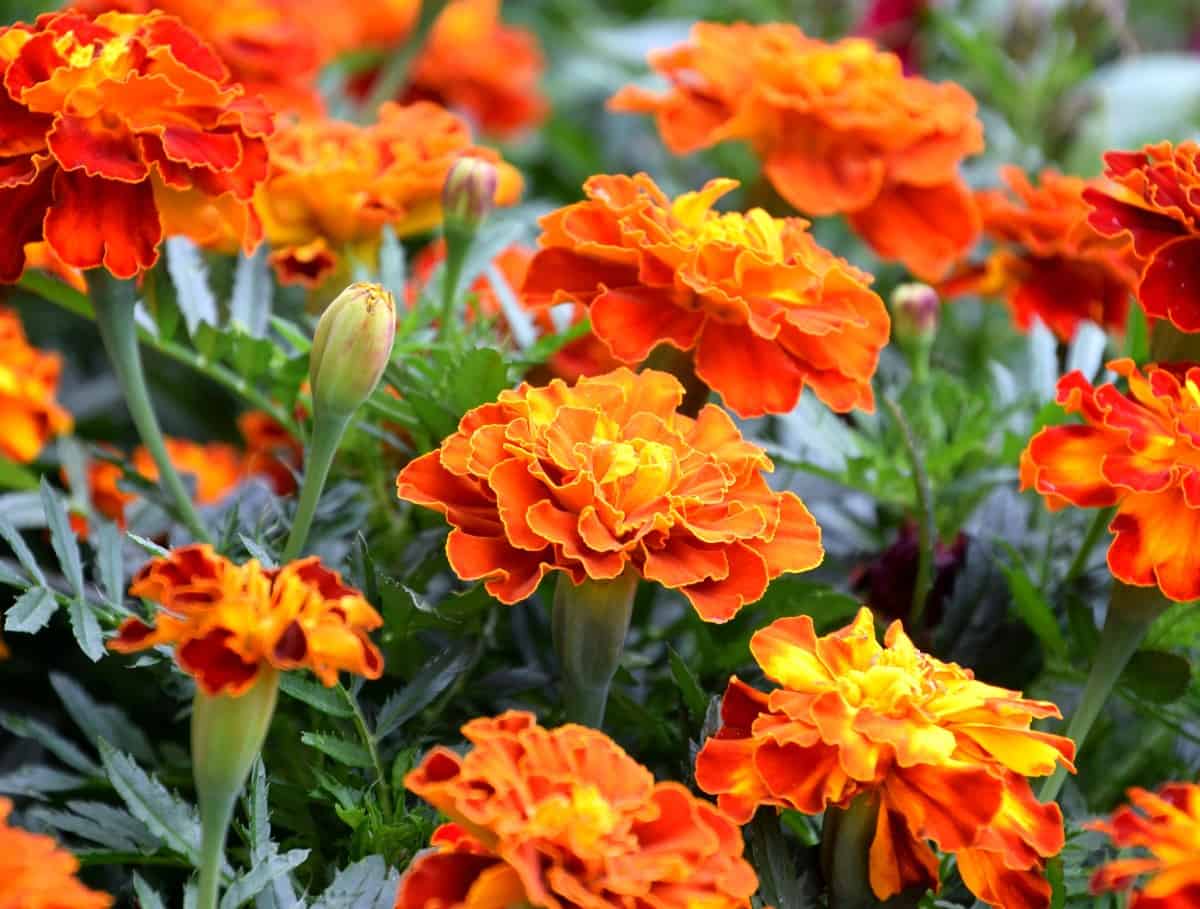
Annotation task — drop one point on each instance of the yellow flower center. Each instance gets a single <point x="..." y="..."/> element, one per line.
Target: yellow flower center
<point x="585" y="815"/>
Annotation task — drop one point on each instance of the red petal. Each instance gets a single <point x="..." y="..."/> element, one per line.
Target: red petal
<point x="88" y="145"/>
<point x="95" y="222"/>
<point x="632" y="321"/>
<point x="1170" y="286"/>
<point x="22" y="209"/>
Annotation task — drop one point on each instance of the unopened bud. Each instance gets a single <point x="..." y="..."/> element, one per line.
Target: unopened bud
<point x="915" y="310"/>
<point x="469" y="193"/>
<point x="351" y="348"/>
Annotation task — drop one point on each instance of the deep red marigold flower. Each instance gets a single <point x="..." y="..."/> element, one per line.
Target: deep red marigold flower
<point x="1137" y="451"/>
<point x="946" y="755"/>
<point x="334" y="185"/>
<point x="1049" y="262"/>
<point x="765" y="308"/>
<point x="839" y="127"/>
<point x="119" y="131"/>
<point x="37" y="873"/>
<point x="228" y="621"/>
<point x="605" y="475"/>
<point x="29" y="412"/>
<point x="1165" y="825"/>
<point x="564" y="817"/>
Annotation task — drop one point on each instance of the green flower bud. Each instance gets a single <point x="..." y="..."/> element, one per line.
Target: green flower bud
<point x="915" y="311"/>
<point x="351" y="348"/>
<point x="469" y="193"/>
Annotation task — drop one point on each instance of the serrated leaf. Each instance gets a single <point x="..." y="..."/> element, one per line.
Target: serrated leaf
<point x="250" y="302"/>
<point x="17" y="544"/>
<point x="100" y="722"/>
<point x="86" y="629"/>
<point x="149" y="545"/>
<point x="147" y="897"/>
<point x="101" y="824"/>
<point x="60" y="746"/>
<point x="478" y="378"/>
<point x="369" y="884"/>
<point x="189" y="274"/>
<point x="62" y="538"/>
<point x="108" y="563"/>
<point x="326" y="700"/>
<point x="351" y="754"/>
<point x="249" y="885"/>
<point x="693" y="695"/>
<point x="257" y="551"/>
<point x="438" y="675"/>
<point x="23" y="510"/>
<point x="165" y="814"/>
<point x="35" y="781"/>
<point x="32" y="610"/>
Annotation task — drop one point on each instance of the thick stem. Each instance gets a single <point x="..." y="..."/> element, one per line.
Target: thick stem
<point x="1094" y="532"/>
<point x="328" y="430"/>
<point x="846" y="838"/>
<point x="457" y="244"/>
<point x="926" y="522"/>
<point x="113" y="301"/>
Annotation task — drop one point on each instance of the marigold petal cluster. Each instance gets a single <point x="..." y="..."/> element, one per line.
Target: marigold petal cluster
<point x="592" y="478"/>
<point x="840" y="129"/>
<point x="1140" y="452"/>
<point x="1165" y="826"/>
<point x="227" y="622"/>
<point x="564" y="817"/>
<point x="118" y="131"/>
<point x="29" y="412"/>
<point x="37" y="873"/>
<point x="946" y="755"/>
<point x="1049" y="262"/>
<point x="766" y="310"/>
<point x="335" y="185"/>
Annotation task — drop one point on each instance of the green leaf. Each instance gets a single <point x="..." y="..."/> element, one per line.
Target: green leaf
<point x="62" y="538"/>
<point x="436" y="677"/>
<point x="1159" y="676"/>
<point x="108" y="563"/>
<point x="17" y="544"/>
<point x="86" y="629"/>
<point x="369" y="884"/>
<point x="32" y="610"/>
<point x="147" y="897"/>
<point x="392" y="265"/>
<point x="693" y="695"/>
<point x="250" y="303"/>
<point x="249" y="885"/>
<point x="102" y="824"/>
<point x="478" y="378"/>
<point x="349" y="753"/>
<point x="62" y="748"/>
<point x="34" y="781"/>
<point x="100" y="722"/>
<point x="15" y="476"/>
<point x="1179" y="626"/>
<point x="165" y="814"/>
<point x="1032" y="607"/>
<point x="326" y="700"/>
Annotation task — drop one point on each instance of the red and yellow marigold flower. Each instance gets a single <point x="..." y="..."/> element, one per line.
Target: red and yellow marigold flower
<point x="29" y="412"/>
<point x="37" y="873"/>
<point x="1165" y="825"/>
<point x="839" y="127"/>
<point x="947" y="756"/>
<point x="228" y="622"/>
<point x="1139" y="452"/>
<point x="119" y="131"/>
<point x="1049" y="262"/>
<point x="602" y="476"/>
<point x="334" y="185"/>
<point x="766" y="310"/>
<point x="564" y="817"/>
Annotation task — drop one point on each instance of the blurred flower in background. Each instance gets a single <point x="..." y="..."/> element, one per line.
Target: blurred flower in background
<point x="29" y="413"/>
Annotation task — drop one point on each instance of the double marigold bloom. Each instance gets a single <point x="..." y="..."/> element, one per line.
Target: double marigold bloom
<point x="945" y="755"/>
<point x="1139" y="452"/>
<point x="766" y="310"/>
<point x="604" y="476"/>
<point x="839" y="127"/>
<point x="229" y="622"/>
<point x="564" y="817"/>
<point x="29" y="412"/>
<point x="36" y="873"/>
<point x="117" y="132"/>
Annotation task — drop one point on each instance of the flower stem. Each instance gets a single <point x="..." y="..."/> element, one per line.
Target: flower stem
<point x="328" y="429"/>
<point x="360" y="724"/>
<point x="113" y="301"/>
<point x="457" y="244"/>
<point x="1094" y="532"/>
<point x="926" y="526"/>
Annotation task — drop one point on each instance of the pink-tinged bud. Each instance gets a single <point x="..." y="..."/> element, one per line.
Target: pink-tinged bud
<point x="351" y="348"/>
<point x="915" y="310"/>
<point x="469" y="193"/>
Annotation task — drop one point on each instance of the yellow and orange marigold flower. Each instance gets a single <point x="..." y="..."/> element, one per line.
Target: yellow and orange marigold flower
<point x="334" y="185"/>
<point x="1165" y="825"/>
<point x="119" y="131"/>
<point x="1049" y="262"/>
<point x="946" y="755"/>
<point x="1140" y="452"/>
<point x="228" y="622"/>
<point x="593" y="478"/>
<point x="765" y="308"/>
<point x="29" y="412"/>
<point x="840" y="129"/>
<point x="564" y="817"/>
<point x="37" y="873"/>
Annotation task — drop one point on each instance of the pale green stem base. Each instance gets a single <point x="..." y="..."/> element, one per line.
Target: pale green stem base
<point x="846" y="838"/>
<point x="328" y="430"/>
<point x="457" y="244"/>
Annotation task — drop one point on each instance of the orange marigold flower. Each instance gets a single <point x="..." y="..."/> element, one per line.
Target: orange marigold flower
<point x="946" y="755"/>
<point x="29" y="412"/>
<point x="1139" y="452"/>
<point x="765" y="308"/>
<point x="229" y="621"/>
<point x="1166" y="826"/>
<point x="1049" y="262"/>
<point x="216" y="467"/>
<point x="36" y="873"/>
<point x="839" y="127"/>
<point x="118" y="131"/>
<point x="271" y="451"/>
<point x="564" y="817"/>
<point x="1153" y="198"/>
<point x="595" y="477"/>
<point x="334" y="185"/>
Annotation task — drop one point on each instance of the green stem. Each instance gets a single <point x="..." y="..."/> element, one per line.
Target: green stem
<point x="113" y="301"/>
<point x="1095" y="531"/>
<point x="215" y="824"/>
<point x="457" y="244"/>
<point x="926" y="528"/>
<point x="360" y="723"/>
<point x="328" y="430"/>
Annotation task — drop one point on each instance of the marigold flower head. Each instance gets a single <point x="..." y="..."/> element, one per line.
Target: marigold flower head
<point x="334" y="185"/>
<point x="564" y="817"/>
<point x="29" y="412"/>
<point x="36" y="873"/>
<point x="765" y="308"/>
<point x="118" y="131"/>
<point x="839" y="127"/>
<point x="947" y="756"/>
<point x="1049" y="262"/>
<point x="1165" y="825"/>
<point x="227" y="622"/>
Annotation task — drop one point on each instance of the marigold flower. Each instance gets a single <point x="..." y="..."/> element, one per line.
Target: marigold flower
<point x="29" y="412"/>
<point x="36" y="873"/>
<point x="228" y="621"/>
<point x="564" y="817"/>
<point x="118" y="131"/>
<point x="334" y="185"/>
<point x="1049" y="262"/>
<point x="946" y="755"/>
<point x="603" y="475"/>
<point x="1166" y="825"/>
<point x="839" y="127"/>
<point x="765" y="308"/>
<point x="216" y="467"/>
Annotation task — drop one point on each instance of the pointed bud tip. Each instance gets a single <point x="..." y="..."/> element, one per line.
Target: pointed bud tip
<point x="469" y="193"/>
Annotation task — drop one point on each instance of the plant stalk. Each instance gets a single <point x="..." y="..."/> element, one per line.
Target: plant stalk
<point x="926" y="526"/>
<point x="457" y="244"/>
<point x="328" y="429"/>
